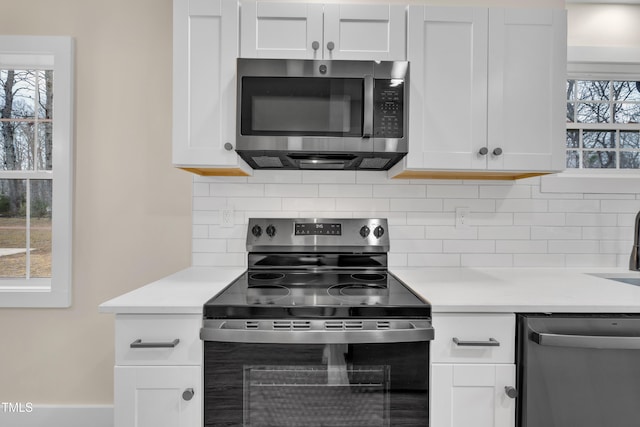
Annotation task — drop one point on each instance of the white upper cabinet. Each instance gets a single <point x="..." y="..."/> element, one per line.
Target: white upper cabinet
<point x="317" y="31"/>
<point x="486" y="91"/>
<point x="205" y="47"/>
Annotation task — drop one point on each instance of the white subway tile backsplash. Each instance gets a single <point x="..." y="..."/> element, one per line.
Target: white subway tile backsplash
<point x="400" y="191"/>
<point x="620" y="206"/>
<point x="538" y="260"/>
<point x="326" y="177"/>
<point x="452" y="191"/>
<point x="416" y="205"/>
<point x="511" y="224"/>
<point x="308" y="204"/>
<point x="536" y="218"/>
<point x="521" y="246"/>
<point x="574" y="247"/>
<point x="433" y="260"/>
<point x="556" y="233"/>
<point x="505" y="192"/>
<point x="468" y="246"/>
<point x="474" y="205"/>
<point x="290" y="190"/>
<point x="513" y="232"/>
<point x="345" y="190"/>
<point x="486" y="260"/>
<point x="373" y="206"/>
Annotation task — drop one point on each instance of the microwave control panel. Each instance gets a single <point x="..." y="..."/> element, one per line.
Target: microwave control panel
<point x="388" y="109"/>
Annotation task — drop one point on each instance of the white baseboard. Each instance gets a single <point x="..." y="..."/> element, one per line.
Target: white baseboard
<point x="28" y="415"/>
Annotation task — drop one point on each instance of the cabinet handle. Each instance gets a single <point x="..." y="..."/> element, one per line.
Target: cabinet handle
<point x="483" y="151"/>
<point x="491" y="343"/>
<point x="188" y="394"/>
<point x="139" y="344"/>
<point x="511" y="392"/>
<point x="497" y="151"/>
<point x="315" y="45"/>
<point x="228" y="146"/>
<point x="331" y="46"/>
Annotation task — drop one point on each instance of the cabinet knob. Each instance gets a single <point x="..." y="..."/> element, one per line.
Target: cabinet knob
<point x="188" y="394"/>
<point x="228" y="146"/>
<point x="315" y="45"/>
<point x="331" y="46"/>
<point x="511" y="392"/>
<point x="483" y="151"/>
<point x="497" y="151"/>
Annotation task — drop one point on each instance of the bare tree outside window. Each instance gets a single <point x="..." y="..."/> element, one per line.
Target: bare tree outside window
<point x="26" y="147"/>
<point x="603" y="124"/>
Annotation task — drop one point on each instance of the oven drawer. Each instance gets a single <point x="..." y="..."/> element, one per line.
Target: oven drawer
<point x="158" y="339"/>
<point x="473" y="338"/>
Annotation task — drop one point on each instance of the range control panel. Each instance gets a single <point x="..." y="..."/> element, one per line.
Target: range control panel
<point x="318" y="234"/>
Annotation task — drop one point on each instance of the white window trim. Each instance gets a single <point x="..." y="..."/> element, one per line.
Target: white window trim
<point x="54" y="292"/>
<point x="593" y="63"/>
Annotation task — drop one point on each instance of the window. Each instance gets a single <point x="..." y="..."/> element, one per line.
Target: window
<point x="603" y="124"/>
<point x="35" y="171"/>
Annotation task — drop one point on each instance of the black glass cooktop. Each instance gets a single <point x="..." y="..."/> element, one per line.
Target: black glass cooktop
<point x="295" y="294"/>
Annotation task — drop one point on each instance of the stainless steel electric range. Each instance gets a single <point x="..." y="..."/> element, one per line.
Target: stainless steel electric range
<point x="317" y="332"/>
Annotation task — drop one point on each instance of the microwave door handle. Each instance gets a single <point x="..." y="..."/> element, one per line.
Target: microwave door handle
<point x="367" y="125"/>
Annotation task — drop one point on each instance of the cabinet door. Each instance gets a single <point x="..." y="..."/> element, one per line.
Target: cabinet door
<point x="153" y="396"/>
<point x="365" y="32"/>
<point x="447" y="50"/>
<point x="205" y="47"/>
<point x="527" y="79"/>
<point x="464" y="395"/>
<point x="281" y="30"/>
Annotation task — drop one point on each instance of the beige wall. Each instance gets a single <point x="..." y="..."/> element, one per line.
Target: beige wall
<point x="132" y="209"/>
<point x="603" y="25"/>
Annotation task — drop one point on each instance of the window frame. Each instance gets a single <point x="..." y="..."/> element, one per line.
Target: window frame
<point x="30" y="52"/>
<point x="597" y="63"/>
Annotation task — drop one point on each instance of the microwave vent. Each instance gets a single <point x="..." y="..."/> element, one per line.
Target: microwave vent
<point x="373" y="163"/>
<point x="268" y="162"/>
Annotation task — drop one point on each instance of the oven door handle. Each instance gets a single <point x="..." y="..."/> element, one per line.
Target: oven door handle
<point x="316" y="332"/>
<point x="586" y="341"/>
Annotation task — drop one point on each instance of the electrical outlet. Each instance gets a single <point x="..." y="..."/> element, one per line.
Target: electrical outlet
<point x="462" y="217"/>
<point x="227" y="217"/>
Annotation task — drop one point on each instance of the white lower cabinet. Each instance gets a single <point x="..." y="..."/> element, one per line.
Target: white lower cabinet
<point x="472" y="395"/>
<point x="158" y="371"/>
<point x="158" y="396"/>
<point x="473" y="372"/>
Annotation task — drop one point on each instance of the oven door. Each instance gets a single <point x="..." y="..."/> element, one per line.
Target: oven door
<point x="292" y="373"/>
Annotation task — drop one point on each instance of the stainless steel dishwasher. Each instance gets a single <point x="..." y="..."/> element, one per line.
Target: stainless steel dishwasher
<point x="578" y="371"/>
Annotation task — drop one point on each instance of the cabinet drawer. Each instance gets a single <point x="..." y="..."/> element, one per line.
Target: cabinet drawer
<point x="473" y="338"/>
<point x="158" y="339"/>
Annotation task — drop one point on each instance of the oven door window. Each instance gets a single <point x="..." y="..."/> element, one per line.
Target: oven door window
<point x="318" y="385"/>
<point x="302" y="106"/>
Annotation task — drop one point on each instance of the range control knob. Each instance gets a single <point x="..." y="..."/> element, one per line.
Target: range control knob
<point x="256" y="231"/>
<point x="364" y="231"/>
<point x="271" y="230"/>
<point x="378" y="232"/>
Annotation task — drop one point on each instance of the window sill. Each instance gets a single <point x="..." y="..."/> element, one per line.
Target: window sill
<point x="592" y="181"/>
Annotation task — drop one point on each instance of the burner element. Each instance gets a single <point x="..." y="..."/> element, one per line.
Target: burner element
<point x="369" y="277"/>
<point x="266" y="276"/>
<point x="266" y="294"/>
<point x="360" y="293"/>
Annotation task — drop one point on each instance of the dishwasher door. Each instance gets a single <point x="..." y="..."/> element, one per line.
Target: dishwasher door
<point x="578" y="371"/>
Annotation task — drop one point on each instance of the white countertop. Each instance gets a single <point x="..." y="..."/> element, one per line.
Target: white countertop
<point x="447" y="289"/>
<point x="183" y="292"/>
<point x="515" y="290"/>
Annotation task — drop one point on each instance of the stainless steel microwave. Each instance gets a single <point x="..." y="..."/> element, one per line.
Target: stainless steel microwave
<point x="314" y="114"/>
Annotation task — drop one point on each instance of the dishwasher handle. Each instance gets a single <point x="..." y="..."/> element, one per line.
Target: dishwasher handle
<point x="586" y="341"/>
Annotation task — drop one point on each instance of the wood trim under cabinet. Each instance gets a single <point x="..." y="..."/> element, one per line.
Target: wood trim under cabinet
<point x="217" y="171"/>
<point x="476" y="175"/>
